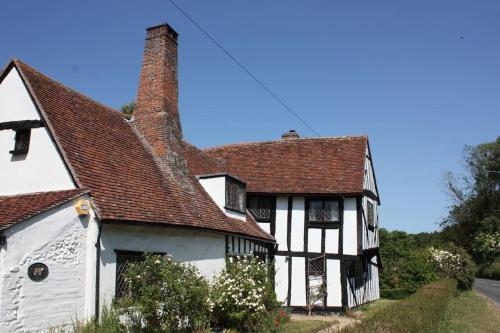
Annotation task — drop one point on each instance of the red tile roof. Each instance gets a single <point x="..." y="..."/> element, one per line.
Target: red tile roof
<point x="312" y="165"/>
<point x="105" y="154"/>
<point x="17" y="208"/>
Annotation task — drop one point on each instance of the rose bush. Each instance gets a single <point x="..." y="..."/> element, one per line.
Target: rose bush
<point x="243" y="297"/>
<point x="455" y="264"/>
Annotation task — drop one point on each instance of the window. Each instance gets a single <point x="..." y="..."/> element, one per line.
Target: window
<point x="323" y="210"/>
<point x="123" y="260"/>
<point x="358" y="272"/>
<point x="235" y="195"/>
<point x="260" y="207"/>
<point x="370" y="217"/>
<point x="317" y="266"/>
<point x="22" y="144"/>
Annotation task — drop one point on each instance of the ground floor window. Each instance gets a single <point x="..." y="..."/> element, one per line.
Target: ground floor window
<point x="123" y="260"/>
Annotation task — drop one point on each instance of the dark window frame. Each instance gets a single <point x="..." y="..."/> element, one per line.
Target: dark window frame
<point x="311" y="263"/>
<point x="370" y="214"/>
<point x="232" y="183"/>
<point x="323" y="200"/>
<point x="260" y="198"/>
<point x="22" y="141"/>
<point x="120" y="256"/>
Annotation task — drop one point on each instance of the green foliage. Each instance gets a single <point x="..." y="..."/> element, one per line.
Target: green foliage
<point x="490" y="270"/>
<point x="128" y="109"/>
<point x="108" y="323"/>
<point x="423" y="311"/>
<point x="454" y="263"/>
<point x="165" y="296"/>
<point x="243" y="297"/>
<point x="476" y="198"/>
<point x="405" y="263"/>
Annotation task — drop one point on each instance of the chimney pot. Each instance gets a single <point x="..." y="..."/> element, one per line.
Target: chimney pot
<point x="290" y="135"/>
<point x="162" y="29"/>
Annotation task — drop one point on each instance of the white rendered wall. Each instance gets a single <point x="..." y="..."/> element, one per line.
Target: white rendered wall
<point x="15" y="101"/>
<point x="350" y="227"/>
<point x="205" y="250"/>
<point x="216" y="188"/>
<point x="297" y="232"/>
<point x="57" y="238"/>
<point x="281" y="278"/>
<point x="334" y="289"/>
<point x="332" y="241"/>
<point x="42" y="169"/>
<point x="314" y="240"/>
<point x="265" y="226"/>
<point x="281" y="222"/>
<point x="298" y="282"/>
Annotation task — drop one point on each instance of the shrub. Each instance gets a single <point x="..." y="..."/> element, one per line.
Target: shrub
<point x="243" y="297"/>
<point x="405" y="263"/>
<point x="490" y="271"/>
<point x="455" y="264"/>
<point x="164" y="296"/>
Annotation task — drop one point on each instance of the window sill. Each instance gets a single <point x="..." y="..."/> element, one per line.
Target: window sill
<point x="235" y="210"/>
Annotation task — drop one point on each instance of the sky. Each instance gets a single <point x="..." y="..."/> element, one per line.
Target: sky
<point x="420" y="78"/>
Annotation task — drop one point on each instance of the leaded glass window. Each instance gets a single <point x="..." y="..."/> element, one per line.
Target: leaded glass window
<point x="323" y="210"/>
<point x="260" y="207"/>
<point x="123" y="260"/>
<point x="317" y="266"/>
<point x="22" y="144"/>
<point x="235" y="195"/>
<point x="370" y="213"/>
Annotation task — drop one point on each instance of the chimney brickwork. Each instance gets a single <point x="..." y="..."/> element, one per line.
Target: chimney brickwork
<point x="156" y="113"/>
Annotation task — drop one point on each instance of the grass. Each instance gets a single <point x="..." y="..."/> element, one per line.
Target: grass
<point x="306" y="326"/>
<point x="470" y="312"/>
<point x="423" y="311"/>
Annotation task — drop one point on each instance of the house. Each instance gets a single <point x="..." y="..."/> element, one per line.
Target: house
<point x="84" y="191"/>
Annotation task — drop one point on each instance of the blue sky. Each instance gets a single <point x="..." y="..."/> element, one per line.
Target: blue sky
<point x="421" y="78"/>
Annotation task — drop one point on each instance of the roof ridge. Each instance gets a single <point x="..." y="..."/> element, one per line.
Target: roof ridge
<point x="17" y="61"/>
<point x="281" y="141"/>
<point x="79" y="190"/>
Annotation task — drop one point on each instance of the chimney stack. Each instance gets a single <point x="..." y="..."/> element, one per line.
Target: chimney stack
<point x="290" y="135"/>
<point x="156" y="113"/>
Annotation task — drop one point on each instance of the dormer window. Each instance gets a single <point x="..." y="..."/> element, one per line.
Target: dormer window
<point x="323" y="210"/>
<point x="235" y="195"/>
<point x="22" y="139"/>
<point x="260" y="207"/>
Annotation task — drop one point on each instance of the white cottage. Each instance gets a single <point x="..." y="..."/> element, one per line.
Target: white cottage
<point x="84" y="191"/>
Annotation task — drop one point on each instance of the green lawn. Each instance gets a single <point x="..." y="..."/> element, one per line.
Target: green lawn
<point x="306" y="326"/>
<point x="434" y="308"/>
<point x="470" y="312"/>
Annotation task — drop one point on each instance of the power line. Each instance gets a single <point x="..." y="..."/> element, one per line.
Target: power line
<point x="237" y="62"/>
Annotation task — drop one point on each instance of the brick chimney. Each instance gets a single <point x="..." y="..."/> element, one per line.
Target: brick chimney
<point x="290" y="135"/>
<point x="156" y="113"/>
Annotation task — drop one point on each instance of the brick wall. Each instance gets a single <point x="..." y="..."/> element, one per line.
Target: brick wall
<point x="156" y="113"/>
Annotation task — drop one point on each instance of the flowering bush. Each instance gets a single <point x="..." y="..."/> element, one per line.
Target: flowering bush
<point x="456" y="265"/>
<point x="486" y="246"/>
<point x="243" y="298"/>
<point x="164" y="296"/>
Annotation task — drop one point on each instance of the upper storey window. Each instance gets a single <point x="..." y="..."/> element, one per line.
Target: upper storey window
<point x="321" y="210"/>
<point x="22" y="144"/>
<point x="235" y="195"/>
<point x="371" y="215"/>
<point x="260" y="207"/>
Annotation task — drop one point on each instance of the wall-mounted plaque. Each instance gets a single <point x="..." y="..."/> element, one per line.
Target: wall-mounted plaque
<point x="38" y="271"/>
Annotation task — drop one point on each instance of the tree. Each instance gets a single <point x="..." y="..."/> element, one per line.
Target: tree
<point x="476" y="199"/>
